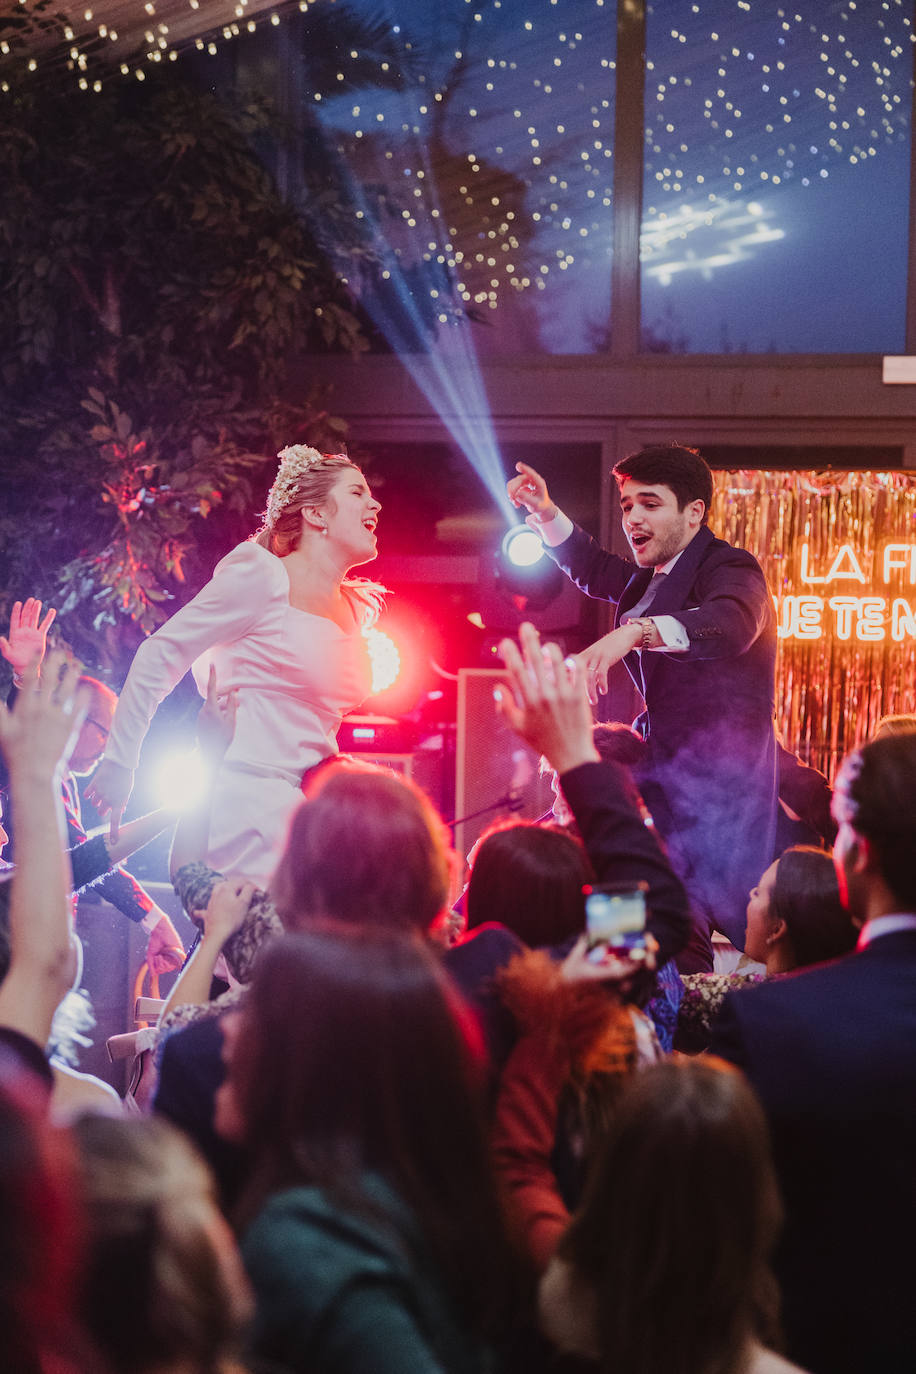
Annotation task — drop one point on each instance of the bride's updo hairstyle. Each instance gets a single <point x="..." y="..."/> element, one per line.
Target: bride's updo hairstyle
<point x="305" y="477"/>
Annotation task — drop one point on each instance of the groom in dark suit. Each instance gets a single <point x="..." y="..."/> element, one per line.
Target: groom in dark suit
<point x="695" y="627"/>
<point x="832" y="1053"/>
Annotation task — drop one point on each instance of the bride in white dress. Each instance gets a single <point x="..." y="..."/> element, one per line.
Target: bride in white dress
<point x="285" y="628"/>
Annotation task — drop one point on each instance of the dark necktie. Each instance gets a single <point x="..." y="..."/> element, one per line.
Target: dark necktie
<point x="648" y="596"/>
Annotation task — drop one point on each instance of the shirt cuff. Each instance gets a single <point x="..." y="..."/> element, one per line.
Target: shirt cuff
<point x="152" y="919"/>
<point x="553" y="532"/>
<point x="674" y="637"/>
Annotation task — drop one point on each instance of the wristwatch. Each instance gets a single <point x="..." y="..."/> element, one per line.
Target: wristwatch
<point x="647" y="626"/>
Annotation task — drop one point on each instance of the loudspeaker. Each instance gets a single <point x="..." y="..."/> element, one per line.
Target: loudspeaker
<point x="496" y="774"/>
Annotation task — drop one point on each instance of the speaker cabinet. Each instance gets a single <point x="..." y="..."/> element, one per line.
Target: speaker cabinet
<point x="496" y="774"/>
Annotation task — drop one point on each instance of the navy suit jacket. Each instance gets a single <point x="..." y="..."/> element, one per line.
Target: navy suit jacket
<point x="832" y="1053"/>
<point x="709" y="777"/>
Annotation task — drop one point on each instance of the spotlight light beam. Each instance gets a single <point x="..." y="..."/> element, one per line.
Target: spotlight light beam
<point x="447" y="371"/>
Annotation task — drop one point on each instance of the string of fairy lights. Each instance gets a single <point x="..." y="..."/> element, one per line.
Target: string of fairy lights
<point x="742" y="99"/>
<point x="785" y="96"/>
<point x="106" y="39"/>
<point x="496" y="157"/>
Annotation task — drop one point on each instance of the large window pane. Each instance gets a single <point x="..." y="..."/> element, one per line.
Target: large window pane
<point x="776" y="176"/>
<point x="471" y="145"/>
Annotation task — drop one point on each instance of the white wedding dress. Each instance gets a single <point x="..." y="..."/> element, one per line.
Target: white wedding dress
<point x="296" y="673"/>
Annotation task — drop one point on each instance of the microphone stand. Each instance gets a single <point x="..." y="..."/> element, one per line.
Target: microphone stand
<point x="511" y="801"/>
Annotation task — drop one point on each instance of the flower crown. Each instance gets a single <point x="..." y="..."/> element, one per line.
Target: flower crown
<point x="294" y="461"/>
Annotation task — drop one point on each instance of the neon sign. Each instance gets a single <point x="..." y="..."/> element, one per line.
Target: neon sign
<point x="865" y="616"/>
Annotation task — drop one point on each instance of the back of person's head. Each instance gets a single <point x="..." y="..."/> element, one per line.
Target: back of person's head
<point x="875" y="793"/>
<point x="367" y="847"/>
<point x="670" y="465"/>
<point x="618" y="743"/>
<point x="530" y="878"/>
<point x="40" y="1235"/>
<point x="895" y="725"/>
<point x="162" y="1285"/>
<point x="678" y="1222"/>
<point x="806" y="895"/>
<point x="354" y="1054"/>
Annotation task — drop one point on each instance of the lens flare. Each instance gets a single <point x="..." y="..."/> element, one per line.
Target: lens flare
<point x="385" y="659"/>
<point x="179" y="780"/>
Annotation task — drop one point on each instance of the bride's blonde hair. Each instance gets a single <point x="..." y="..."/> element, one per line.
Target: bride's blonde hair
<point x="305" y="478"/>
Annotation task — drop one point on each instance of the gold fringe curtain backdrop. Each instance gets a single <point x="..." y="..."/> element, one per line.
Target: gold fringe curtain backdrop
<point x="841" y="596"/>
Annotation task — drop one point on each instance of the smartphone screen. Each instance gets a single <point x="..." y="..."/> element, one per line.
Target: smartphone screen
<point x="615" y="915"/>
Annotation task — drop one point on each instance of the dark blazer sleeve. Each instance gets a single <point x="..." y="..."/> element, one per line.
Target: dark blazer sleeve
<point x="807" y="792"/>
<point x="595" y="572"/>
<point x="733" y="609"/>
<point x="622" y="848"/>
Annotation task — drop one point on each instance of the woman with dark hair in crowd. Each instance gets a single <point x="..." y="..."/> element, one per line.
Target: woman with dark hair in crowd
<point x="284" y="625"/>
<point x="795" y="916"/>
<point x="371" y="1231"/>
<point x="665" y="1267"/>
<point x="794" y="919"/>
<point x="528" y="877"/>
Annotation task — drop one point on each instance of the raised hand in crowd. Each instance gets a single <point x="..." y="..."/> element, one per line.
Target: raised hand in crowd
<point x="35" y="737"/>
<point x="28" y="636"/>
<point x="546" y="701"/>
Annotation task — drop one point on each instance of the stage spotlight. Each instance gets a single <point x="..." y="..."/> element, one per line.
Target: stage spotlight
<point x="522" y="568"/>
<point x="518" y="581"/>
<point x="522" y="547"/>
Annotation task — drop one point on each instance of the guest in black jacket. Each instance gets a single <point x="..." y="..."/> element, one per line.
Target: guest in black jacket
<point x="832" y="1053"/>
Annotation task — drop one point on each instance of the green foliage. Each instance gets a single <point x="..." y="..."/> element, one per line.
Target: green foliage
<point x="153" y="287"/>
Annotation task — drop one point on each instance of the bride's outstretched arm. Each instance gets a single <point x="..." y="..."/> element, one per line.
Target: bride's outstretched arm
<point x="223" y="611"/>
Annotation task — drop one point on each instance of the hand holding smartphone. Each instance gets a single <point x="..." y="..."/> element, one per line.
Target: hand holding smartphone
<point x="615" y="918"/>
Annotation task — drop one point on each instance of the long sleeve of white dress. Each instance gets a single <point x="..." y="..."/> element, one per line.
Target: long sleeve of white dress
<point x="223" y="611"/>
<point x="296" y="675"/>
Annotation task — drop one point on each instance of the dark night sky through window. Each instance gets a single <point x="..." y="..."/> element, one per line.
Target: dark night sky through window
<point x="775" y="184"/>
